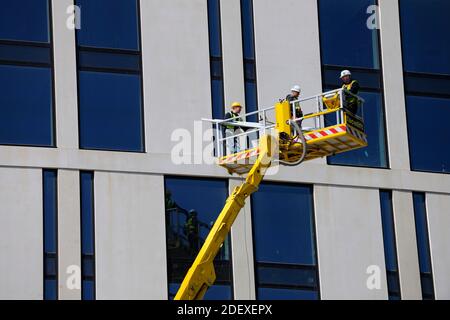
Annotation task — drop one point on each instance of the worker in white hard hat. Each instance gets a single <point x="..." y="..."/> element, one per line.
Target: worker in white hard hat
<point x="234" y="116"/>
<point x="351" y="102"/>
<point x="293" y="97"/>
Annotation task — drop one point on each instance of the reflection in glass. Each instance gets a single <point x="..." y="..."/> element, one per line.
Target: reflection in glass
<point x="192" y="207"/>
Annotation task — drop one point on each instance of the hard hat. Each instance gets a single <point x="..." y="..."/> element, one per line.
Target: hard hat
<point x="235" y="105"/>
<point x="296" y="89"/>
<point x="345" y="73"/>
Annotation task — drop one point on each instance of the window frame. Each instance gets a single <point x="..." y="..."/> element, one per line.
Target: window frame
<point x="256" y="264"/>
<point x="217" y="282"/>
<point x="51" y="66"/>
<point x="84" y="256"/>
<point x="79" y="48"/>
<point x="50" y="255"/>
<point x="213" y="59"/>
<point x="406" y="92"/>
<point x="394" y="238"/>
<point x="427" y="245"/>
<point x="380" y="72"/>
<point x="252" y="62"/>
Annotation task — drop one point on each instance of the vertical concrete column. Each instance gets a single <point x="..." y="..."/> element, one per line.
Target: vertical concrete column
<point x="438" y="212"/>
<point x="287" y="48"/>
<point x="66" y="100"/>
<point x="405" y="234"/>
<point x="242" y="249"/>
<point x="130" y="236"/>
<point x="391" y="51"/>
<point x="177" y="82"/>
<point x="21" y="234"/>
<point x="349" y="243"/>
<point x="69" y="234"/>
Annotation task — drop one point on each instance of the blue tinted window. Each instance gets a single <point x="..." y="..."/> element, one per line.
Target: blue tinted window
<point x="88" y="290"/>
<point x="110" y="111"/>
<point x="50" y="289"/>
<point x="390" y="247"/>
<point x="287" y="238"/>
<point x="387" y="219"/>
<point x="24" y="20"/>
<point x="423" y="245"/>
<point x="426" y="114"/>
<point x="248" y="29"/>
<point x="215" y="41"/>
<point x="50" y="211"/>
<point x="87" y="236"/>
<point x="26" y="106"/>
<point x="217" y="99"/>
<point x="248" y="43"/>
<point x="345" y="38"/>
<point x="87" y="212"/>
<point x="215" y="51"/>
<point x="424" y="24"/>
<point x="286" y="294"/>
<point x="110" y="24"/>
<point x="422" y="232"/>
<point x="186" y="232"/>
<point x="251" y="99"/>
<point x="374" y="155"/>
<point x="50" y="234"/>
<point x="285" y="255"/>
<point x="216" y="292"/>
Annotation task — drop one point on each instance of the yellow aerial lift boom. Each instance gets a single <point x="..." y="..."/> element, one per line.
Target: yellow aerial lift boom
<point x="202" y="274"/>
<point x="283" y="141"/>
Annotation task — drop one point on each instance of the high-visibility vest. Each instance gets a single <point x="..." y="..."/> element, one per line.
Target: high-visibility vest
<point x="191" y="226"/>
<point x="349" y="86"/>
<point x="350" y="99"/>
<point x="235" y="117"/>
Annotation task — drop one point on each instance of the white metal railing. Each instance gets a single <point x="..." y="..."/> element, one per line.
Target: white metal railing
<point x="248" y="138"/>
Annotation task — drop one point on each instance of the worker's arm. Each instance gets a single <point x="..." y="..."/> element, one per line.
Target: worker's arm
<point x="355" y="88"/>
<point x="202" y="275"/>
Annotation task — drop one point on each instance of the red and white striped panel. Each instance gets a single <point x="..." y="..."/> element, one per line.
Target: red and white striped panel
<point x="240" y="156"/>
<point x="357" y="134"/>
<point x="325" y="133"/>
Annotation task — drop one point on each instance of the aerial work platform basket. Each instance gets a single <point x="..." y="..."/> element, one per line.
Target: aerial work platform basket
<point x="328" y="131"/>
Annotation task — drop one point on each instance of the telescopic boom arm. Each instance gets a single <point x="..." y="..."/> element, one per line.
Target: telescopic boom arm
<point x="201" y="275"/>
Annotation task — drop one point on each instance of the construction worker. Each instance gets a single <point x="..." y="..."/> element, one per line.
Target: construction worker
<point x="234" y="114"/>
<point x="191" y="230"/>
<point x="295" y="96"/>
<point x="350" y="102"/>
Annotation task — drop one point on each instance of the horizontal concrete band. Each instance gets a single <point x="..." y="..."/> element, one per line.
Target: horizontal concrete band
<point x="315" y="173"/>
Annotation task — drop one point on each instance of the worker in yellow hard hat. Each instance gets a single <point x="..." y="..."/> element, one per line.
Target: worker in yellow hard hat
<point x="233" y="116"/>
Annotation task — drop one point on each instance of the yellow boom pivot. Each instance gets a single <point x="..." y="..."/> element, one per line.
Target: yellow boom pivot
<point x="202" y="275"/>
